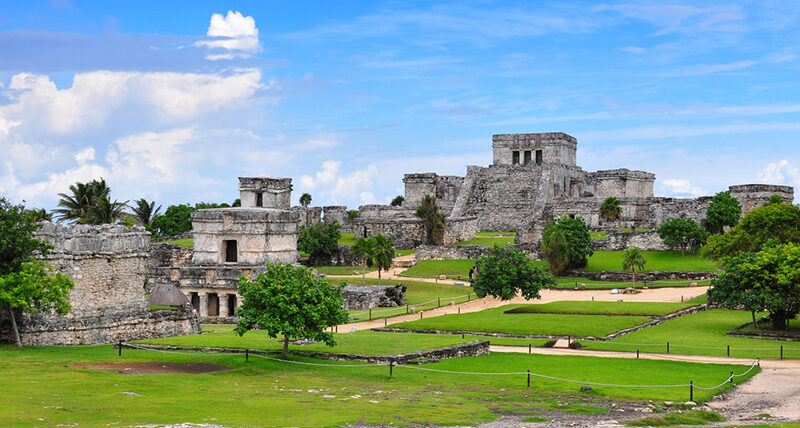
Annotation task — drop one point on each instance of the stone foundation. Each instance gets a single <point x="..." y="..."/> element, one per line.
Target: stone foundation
<point x="647" y="276"/>
<point x="618" y="240"/>
<point x="362" y="297"/>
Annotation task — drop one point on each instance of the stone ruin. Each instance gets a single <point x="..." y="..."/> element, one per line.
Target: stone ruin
<point x="109" y="303"/>
<point x="358" y="297"/>
<point x="533" y="179"/>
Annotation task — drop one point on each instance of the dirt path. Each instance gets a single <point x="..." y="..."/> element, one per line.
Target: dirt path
<point x="775" y="391"/>
<point x="650" y="295"/>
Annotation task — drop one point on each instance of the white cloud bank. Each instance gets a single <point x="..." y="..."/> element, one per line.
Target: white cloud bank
<point x="680" y="186"/>
<point x="781" y="172"/>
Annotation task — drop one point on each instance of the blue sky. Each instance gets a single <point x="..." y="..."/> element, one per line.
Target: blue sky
<point x="172" y="101"/>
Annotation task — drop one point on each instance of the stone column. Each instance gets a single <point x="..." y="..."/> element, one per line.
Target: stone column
<point x="223" y="305"/>
<point x="203" y="304"/>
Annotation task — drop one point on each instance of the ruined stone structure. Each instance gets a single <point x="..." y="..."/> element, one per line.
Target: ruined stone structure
<point x="405" y="229"/>
<point x="535" y="178"/>
<point x="359" y="297"/>
<point x="338" y="213"/>
<point x="109" y="302"/>
<point x="231" y="242"/>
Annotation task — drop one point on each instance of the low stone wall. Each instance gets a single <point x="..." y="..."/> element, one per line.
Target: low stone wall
<point x="108" y="325"/>
<point x="618" y="240"/>
<point x="648" y="276"/>
<point x="457" y="229"/>
<point x="451" y="252"/>
<point x="343" y="256"/>
<point x="362" y="297"/>
<point x="187" y="235"/>
<point x="471" y="349"/>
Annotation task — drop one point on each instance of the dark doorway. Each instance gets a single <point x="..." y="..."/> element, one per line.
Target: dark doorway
<point x="515" y="157"/>
<point x="231" y="305"/>
<point x="527" y="157"/>
<point x="231" y="252"/>
<point x="195" y="301"/>
<point x="538" y="157"/>
<point x="213" y="305"/>
<point x="365" y="231"/>
<point x="259" y="199"/>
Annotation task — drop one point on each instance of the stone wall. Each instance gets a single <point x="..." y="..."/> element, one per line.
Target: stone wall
<point x="362" y="297"/>
<point x="623" y="183"/>
<point x="647" y="276"/>
<point x="338" y="213"/>
<point x="451" y="252"/>
<point x="460" y="229"/>
<point x="556" y="148"/>
<point x="308" y="215"/>
<point x="107" y="264"/>
<point x="755" y="195"/>
<point x="404" y="229"/>
<point x="162" y="255"/>
<point x="618" y="240"/>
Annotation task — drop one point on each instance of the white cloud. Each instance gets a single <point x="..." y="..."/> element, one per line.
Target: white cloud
<point x="85" y="155"/>
<point x="781" y="172"/>
<point x="95" y="96"/>
<point x="326" y="176"/>
<point x="235" y="33"/>
<point x="680" y="186"/>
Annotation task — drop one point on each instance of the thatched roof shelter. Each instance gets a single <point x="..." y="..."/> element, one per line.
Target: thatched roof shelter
<point x="166" y="294"/>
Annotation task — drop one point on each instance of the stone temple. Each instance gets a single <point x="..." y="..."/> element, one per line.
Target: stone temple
<point x="533" y="179"/>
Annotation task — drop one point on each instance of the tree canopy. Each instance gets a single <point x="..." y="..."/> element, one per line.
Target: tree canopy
<point x="305" y="199"/>
<point x="633" y="259"/>
<point x="89" y="203"/>
<point x="176" y="220"/>
<point x="773" y="223"/>
<point x="576" y="236"/>
<point x="506" y="272"/>
<point x="291" y="302"/>
<point x="724" y="210"/>
<point x="319" y="240"/>
<point x="683" y="234"/>
<point x="26" y="283"/>
<point x="610" y="209"/>
<point x="397" y="201"/>
<point x="145" y="211"/>
<point x="432" y="219"/>
<point x="556" y="251"/>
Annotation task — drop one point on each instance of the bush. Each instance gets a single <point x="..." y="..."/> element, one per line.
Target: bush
<point x="724" y="210"/>
<point x="578" y="239"/>
<point x="506" y="272"/>
<point x="683" y="234"/>
<point x="319" y="240"/>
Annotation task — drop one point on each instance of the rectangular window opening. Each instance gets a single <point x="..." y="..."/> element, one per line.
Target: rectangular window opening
<point x="538" y="157"/>
<point x="515" y="157"/>
<point x="231" y="304"/>
<point x="231" y="252"/>
<point x="259" y="199"/>
<point x="527" y="157"/>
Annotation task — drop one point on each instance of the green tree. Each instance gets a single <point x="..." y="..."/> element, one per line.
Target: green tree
<point x="633" y="259"/>
<point x="733" y="290"/>
<point x="352" y="215"/>
<point x="432" y="220"/>
<point x="305" y="199"/>
<point x="775" y="199"/>
<point x="25" y="283"/>
<point x="79" y="205"/>
<point x="506" y="272"/>
<point x="397" y="201"/>
<point x="145" y="211"/>
<point x="291" y="302"/>
<point x="683" y="233"/>
<point x="610" y="209"/>
<point x="768" y="224"/>
<point x="774" y="273"/>
<point x="382" y="254"/>
<point x="578" y="239"/>
<point x="362" y="249"/>
<point x="39" y="214"/>
<point x="176" y="220"/>
<point x="319" y="240"/>
<point x="724" y="210"/>
<point x="106" y="211"/>
<point x="556" y="251"/>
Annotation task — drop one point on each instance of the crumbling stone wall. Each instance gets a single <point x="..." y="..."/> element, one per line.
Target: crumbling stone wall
<point x="459" y="229"/>
<point x="107" y="264"/>
<point x="361" y="297"/>
<point x="755" y="195"/>
<point x="338" y="213"/>
<point x="623" y="183"/>
<point x="308" y="215"/>
<point x="618" y="240"/>
<point x="451" y="252"/>
<point x="168" y="255"/>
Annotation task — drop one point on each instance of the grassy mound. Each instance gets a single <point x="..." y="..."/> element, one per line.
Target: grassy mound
<point x="601" y="308"/>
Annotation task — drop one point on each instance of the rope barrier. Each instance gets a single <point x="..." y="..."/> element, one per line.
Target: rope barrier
<point x="528" y="373"/>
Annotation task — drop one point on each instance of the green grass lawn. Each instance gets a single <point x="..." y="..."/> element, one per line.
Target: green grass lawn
<point x="490" y="239"/>
<point x="186" y="243"/>
<point x="399" y="252"/>
<point x="569" y="282"/>
<point x="656" y="260"/>
<point x="601" y="234"/>
<point x="453" y="269"/>
<point x="601" y="308"/>
<point x="496" y="320"/>
<point x="703" y="333"/>
<point x="420" y="295"/>
<point x="341" y="270"/>
<point x="347" y="239"/>
<point x="43" y="386"/>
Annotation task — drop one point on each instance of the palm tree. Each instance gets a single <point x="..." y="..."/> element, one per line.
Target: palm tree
<point x="362" y="249"/>
<point x="145" y="211"/>
<point x="383" y="254"/>
<point x="433" y="220"/>
<point x="305" y="199"/>
<point x="78" y="205"/>
<point x="39" y="214"/>
<point x="105" y="211"/>
<point x="397" y="201"/>
<point x="610" y="209"/>
<point x="633" y="259"/>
